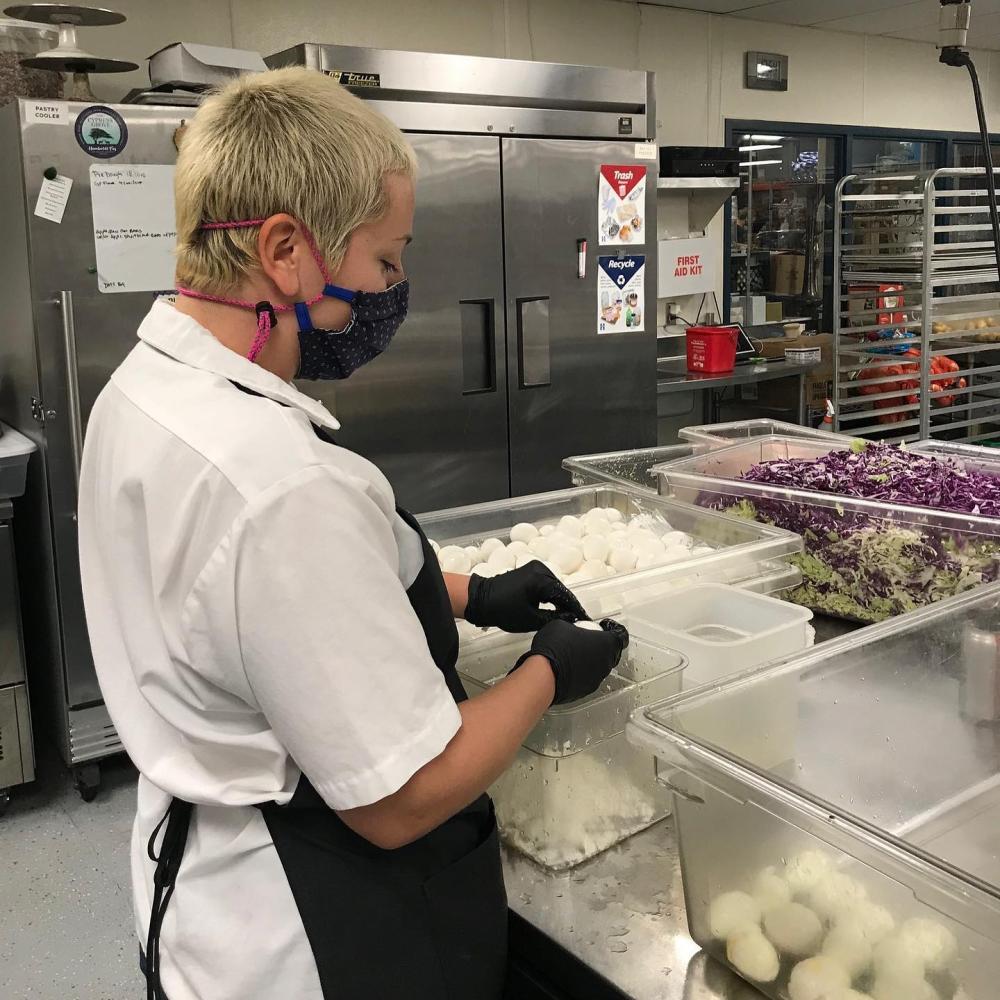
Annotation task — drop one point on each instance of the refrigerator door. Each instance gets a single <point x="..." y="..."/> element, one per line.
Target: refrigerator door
<point x="570" y="390"/>
<point x="431" y="412"/>
<point x="81" y="336"/>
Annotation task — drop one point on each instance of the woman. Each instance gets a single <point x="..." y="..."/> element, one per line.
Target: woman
<point x="274" y="640"/>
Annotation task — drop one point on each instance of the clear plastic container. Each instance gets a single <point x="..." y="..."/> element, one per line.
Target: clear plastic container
<point x="739" y="548"/>
<point x="864" y="559"/>
<point x="721" y="630"/>
<point x="15" y="450"/>
<point x="880" y="813"/>
<point x="720" y="435"/>
<point x="577" y="787"/>
<point x="19" y="40"/>
<point x="626" y="470"/>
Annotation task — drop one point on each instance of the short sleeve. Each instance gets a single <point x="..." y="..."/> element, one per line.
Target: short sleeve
<point x="332" y="651"/>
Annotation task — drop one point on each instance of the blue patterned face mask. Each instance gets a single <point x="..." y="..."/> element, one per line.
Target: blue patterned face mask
<point x="336" y="354"/>
<point x="325" y="354"/>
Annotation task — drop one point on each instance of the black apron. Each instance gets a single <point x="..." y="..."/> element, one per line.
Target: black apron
<point x="428" y="920"/>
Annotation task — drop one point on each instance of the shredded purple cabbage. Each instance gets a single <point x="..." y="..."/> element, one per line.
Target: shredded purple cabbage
<point x="887" y="473"/>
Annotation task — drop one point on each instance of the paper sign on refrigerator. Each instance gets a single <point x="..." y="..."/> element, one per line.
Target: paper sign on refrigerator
<point x="621" y="294"/>
<point x="621" y="204"/>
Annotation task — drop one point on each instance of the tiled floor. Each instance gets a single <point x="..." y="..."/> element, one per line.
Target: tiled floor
<point x="65" y="902"/>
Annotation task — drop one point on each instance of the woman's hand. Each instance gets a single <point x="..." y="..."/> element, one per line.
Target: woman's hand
<point x="511" y="600"/>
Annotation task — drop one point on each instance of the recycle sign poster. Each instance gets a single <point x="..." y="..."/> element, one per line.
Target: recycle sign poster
<point x="621" y="294"/>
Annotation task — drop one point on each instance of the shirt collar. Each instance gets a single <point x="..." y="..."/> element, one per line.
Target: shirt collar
<point x="185" y="340"/>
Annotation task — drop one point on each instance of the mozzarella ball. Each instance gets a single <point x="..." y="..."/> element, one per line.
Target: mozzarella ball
<point x="540" y="547"/>
<point x="677" y="538"/>
<point x="622" y="559"/>
<point x="523" y="532"/>
<point x="816" y="978"/>
<point x="490" y="546"/>
<point x="523" y="560"/>
<point x="848" y="946"/>
<point x="454" y="560"/>
<point x="501" y="560"/>
<point x="806" y="869"/>
<point x="771" y="890"/>
<point x="483" y="569"/>
<point x="874" y="921"/>
<point x="903" y="988"/>
<point x="570" y="526"/>
<point x="732" y="911"/>
<point x="898" y="958"/>
<point x="640" y="536"/>
<point x="834" y="892"/>
<point x="932" y="941"/>
<point x="594" y="514"/>
<point x="568" y="558"/>
<point x="517" y="549"/>
<point x="434" y="545"/>
<point x="596" y="569"/>
<point x="546" y="530"/>
<point x="793" y="929"/>
<point x="596" y="547"/>
<point x="596" y="526"/>
<point x="648" y="558"/>
<point x="613" y="515"/>
<point x="752" y="955"/>
<point x="555" y="571"/>
<point x="702" y="550"/>
<point x="475" y="554"/>
<point x="617" y="527"/>
<point x="589" y="625"/>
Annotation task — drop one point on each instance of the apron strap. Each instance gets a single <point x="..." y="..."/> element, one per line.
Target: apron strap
<point x="168" y="862"/>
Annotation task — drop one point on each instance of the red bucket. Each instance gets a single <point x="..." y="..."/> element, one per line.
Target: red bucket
<point x="711" y="349"/>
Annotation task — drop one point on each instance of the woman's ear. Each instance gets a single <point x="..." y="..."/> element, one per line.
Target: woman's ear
<point x="283" y="251"/>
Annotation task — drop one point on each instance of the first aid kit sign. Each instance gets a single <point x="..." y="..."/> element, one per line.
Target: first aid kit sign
<point x="621" y="294"/>
<point x="686" y="266"/>
<point x="621" y="204"/>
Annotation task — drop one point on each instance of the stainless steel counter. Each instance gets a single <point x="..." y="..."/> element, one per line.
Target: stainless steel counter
<point x="674" y="377"/>
<point x="622" y="915"/>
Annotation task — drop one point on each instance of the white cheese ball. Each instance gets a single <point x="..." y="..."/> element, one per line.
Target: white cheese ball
<point x="816" y="978"/>
<point x="595" y="569"/>
<point x="546" y="530"/>
<point x="570" y="526"/>
<point x="897" y="958"/>
<point x="834" y="892"/>
<point x="518" y="549"/>
<point x="555" y="571"/>
<point x="523" y="532"/>
<point x="475" y="554"/>
<point x="675" y="554"/>
<point x="732" y="911"/>
<point x="702" y="550"/>
<point x="501" y="560"/>
<point x="752" y="955"/>
<point x="932" y="941"/>
<point x="540" y="547"/>
<point x="590" y="626"/>
<point x="596" y="547"/>
<point x="793" y="929"/>
<point x="434" y="545"/>
<point x="596" y="526"/>
<point x="647" y="559"/>
<point x="523" y="560"/>
<point x="874" y="921"/>
<point x="903" y="988"/>
<point x="483" y="569"/>
<point x="677" y="538"/>
<point x="640" y="536"/>
<point x="622" y="559"/>
<point x="617" y="527"/>
<point x="490" y="546"/>
<point x="806" y="869"/>
<point x="454" y="560"/>
<point x="847" y="945"/>
<point x="613" y="515"/>
<point x="568" y="558"/>
<point x="771" y="890"/>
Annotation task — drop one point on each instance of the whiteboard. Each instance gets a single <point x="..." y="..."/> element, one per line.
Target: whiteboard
<point x="134" y="228"/>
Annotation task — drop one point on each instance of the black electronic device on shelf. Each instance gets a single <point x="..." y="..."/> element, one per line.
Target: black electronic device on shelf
<point x="699" y="161"/>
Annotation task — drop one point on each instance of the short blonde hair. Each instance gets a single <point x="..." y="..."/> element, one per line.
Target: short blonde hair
<point x="289" y="140"/>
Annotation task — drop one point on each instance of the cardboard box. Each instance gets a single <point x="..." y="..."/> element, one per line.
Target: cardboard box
<point x="773" y="348"/>
<point x="774" y="312"/>
<point x="783" y="394"/>
<point x="788" y="272"/>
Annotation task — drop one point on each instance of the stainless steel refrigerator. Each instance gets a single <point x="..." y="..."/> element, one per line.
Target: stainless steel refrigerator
<point x="498" y="374"/>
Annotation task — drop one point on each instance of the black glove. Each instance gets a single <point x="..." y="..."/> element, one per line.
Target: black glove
<point x="581" y="658"/>
<point x="510" y="601"/>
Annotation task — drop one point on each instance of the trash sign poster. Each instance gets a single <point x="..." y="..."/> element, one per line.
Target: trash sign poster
<point x="621" y="204"/>
<point x="621" y="294"/>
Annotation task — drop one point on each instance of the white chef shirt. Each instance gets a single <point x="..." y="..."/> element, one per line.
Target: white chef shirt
<point x="245" y="588"/>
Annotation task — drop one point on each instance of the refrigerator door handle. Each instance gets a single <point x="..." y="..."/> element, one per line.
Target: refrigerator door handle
<point x="533" y="364"/>
<point x="65" y="304"/>
<point x="479" y="346"/>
